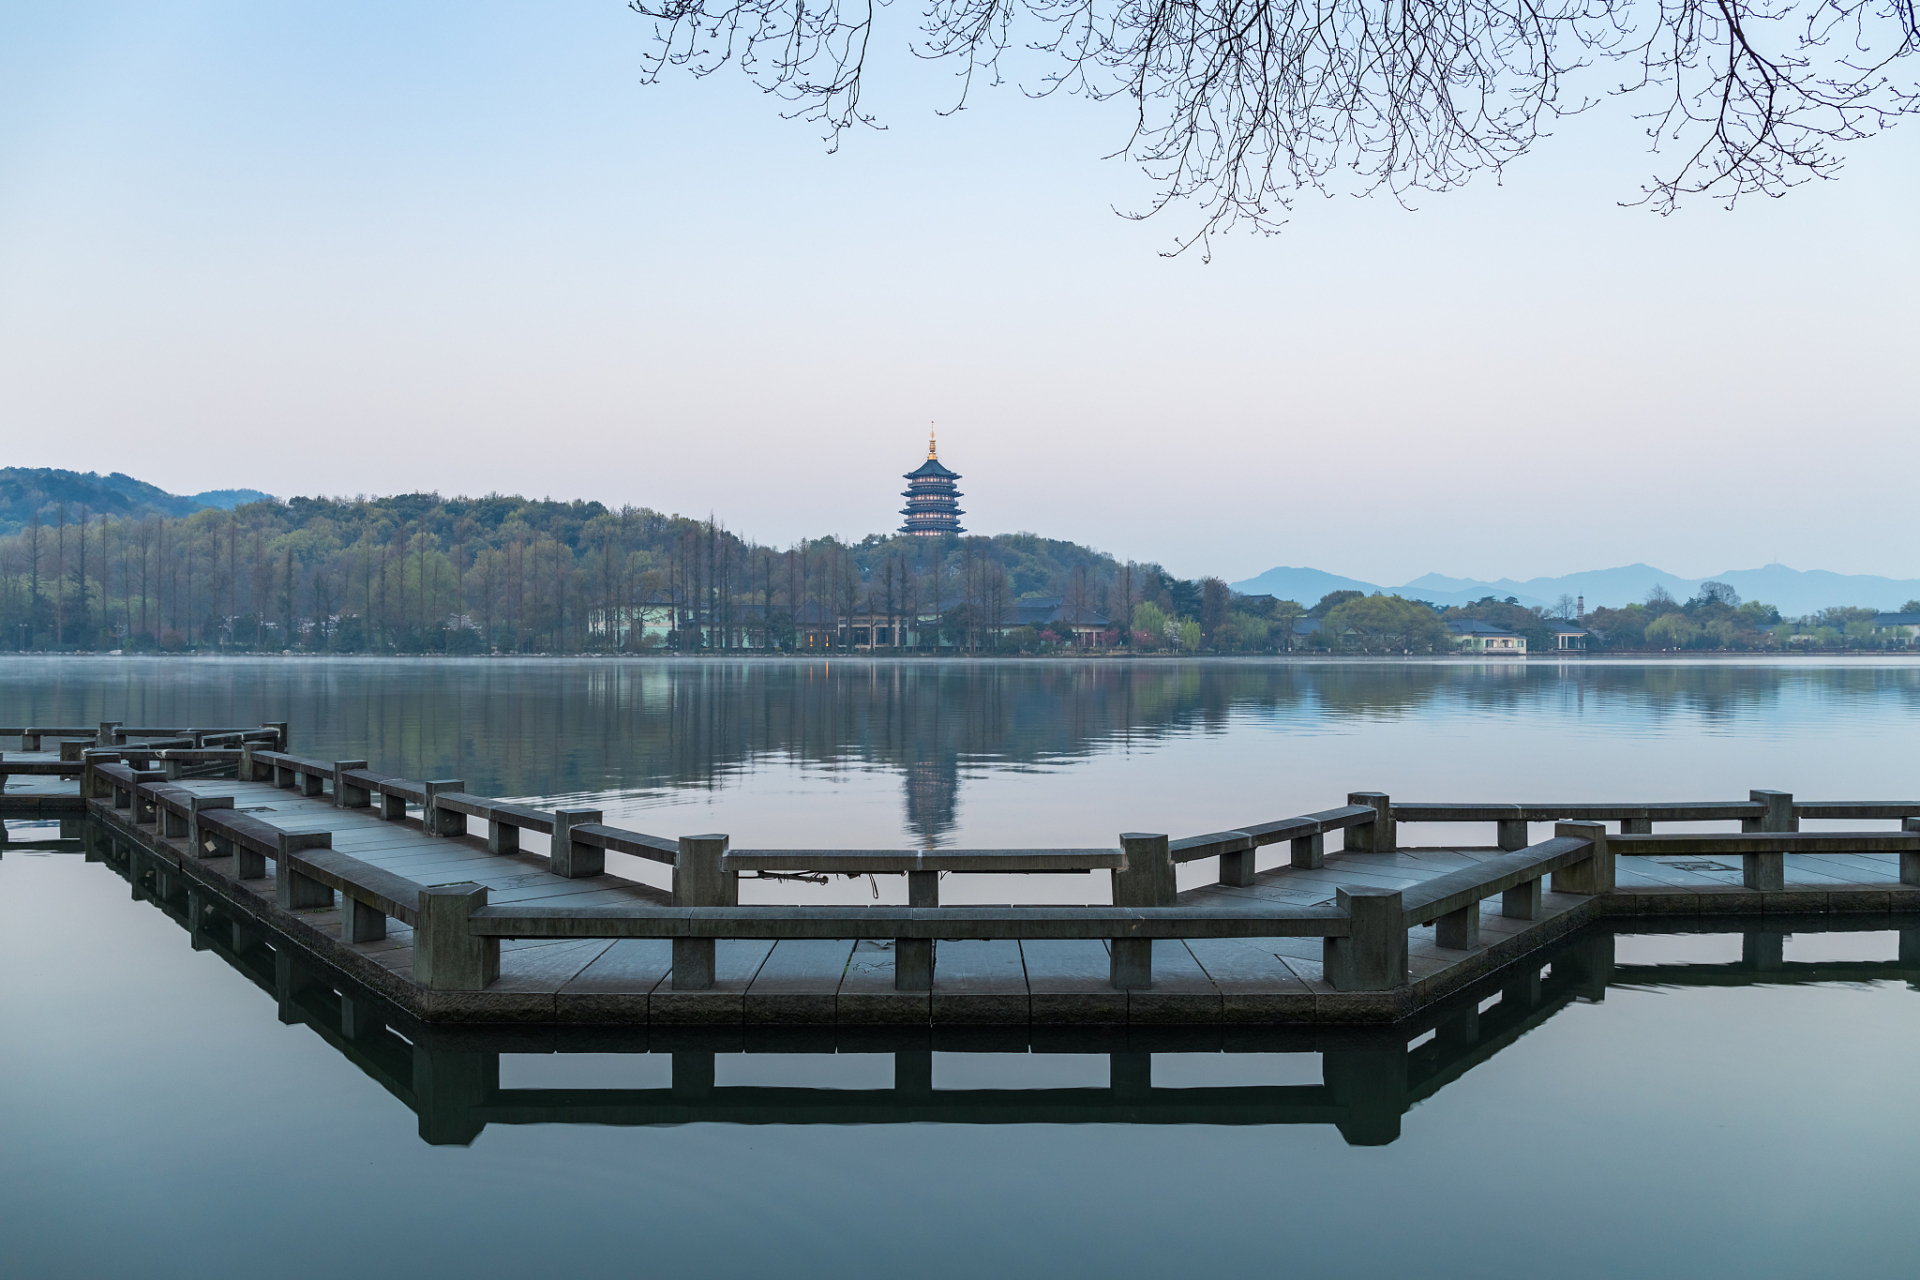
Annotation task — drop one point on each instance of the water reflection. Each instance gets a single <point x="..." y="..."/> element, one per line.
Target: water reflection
<point x="1360" y="1080"/>
<point x="648" y="731"/>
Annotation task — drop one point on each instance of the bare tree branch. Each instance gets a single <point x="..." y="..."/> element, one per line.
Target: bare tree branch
<point x="1238" y="105"/>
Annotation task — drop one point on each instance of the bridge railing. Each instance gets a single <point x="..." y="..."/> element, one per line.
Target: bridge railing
<point x="1364" y="930"/>
<point x="38" y="769"/>
<point x="1306" y="835"/>
<point x="1762" y="811"/>
<point x="111" y="733"/>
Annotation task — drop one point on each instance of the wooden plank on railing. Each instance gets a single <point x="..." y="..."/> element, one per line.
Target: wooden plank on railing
<point x="412" y="792"/>
<point x="893" y="861"/>
<point x="261" y="837"/>
<point x="297" y="764"/>
<point x="1307" y="824"/>
<point x="1661" y="846"/>
<point x="491" y="810"/>
<point x="1864" y="810"/>
<point x="517" y="921"/>
<point x="1430" y="899"/>
<point x="396" y="895"/>
<point x="598" y="835"/>
<point x="1658" y="811"/>
<point x="1212" y="845"/>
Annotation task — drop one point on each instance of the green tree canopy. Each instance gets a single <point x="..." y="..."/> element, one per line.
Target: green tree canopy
<point x="1380" y="623"/>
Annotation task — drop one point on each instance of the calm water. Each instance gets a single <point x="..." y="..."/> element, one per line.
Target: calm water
<point x="158" y="1118"/>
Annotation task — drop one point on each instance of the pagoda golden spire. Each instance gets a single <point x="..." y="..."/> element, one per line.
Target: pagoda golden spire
<point x="932" y="451"/>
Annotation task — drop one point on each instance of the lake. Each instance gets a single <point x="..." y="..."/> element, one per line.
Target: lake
<point x="1701" y="1118"/>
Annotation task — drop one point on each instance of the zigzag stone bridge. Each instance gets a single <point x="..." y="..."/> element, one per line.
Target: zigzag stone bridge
<point x="381" y="883"/>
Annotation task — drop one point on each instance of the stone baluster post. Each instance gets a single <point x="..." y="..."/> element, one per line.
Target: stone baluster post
<point x="698" y="881"/>
<point x="569" y="857"/>
<point x="1146" y="881"/>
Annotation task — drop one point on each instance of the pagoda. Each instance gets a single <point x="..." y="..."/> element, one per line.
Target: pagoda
<point x="932" y="509"/>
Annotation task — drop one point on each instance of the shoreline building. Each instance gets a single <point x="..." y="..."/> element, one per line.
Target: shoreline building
<point x="933" y="508"/>
<point x="1475" y="636"/>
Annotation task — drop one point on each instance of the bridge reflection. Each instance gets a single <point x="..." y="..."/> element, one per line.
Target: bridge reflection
<point x="1369" y="1077"/>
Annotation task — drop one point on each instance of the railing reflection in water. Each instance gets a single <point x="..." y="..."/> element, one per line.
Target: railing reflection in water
<point x="1368" y="1077"/>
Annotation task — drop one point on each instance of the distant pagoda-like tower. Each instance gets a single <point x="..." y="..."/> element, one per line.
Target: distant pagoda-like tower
<point x="932" y="506"/>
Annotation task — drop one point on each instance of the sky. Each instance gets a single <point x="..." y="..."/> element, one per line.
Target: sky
<point x="373" y="248"/>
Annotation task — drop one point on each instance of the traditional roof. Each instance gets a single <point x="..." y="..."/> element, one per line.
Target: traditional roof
<point x="1038" y="611"/>
<point x="1896" y="619"/>
<point x="931" y="470"/>
<point x="1475" y="627"/>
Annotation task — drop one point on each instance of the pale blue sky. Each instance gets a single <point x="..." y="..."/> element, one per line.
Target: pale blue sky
<point x="375" y="248"/>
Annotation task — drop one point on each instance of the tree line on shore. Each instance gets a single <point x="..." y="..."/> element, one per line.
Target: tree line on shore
<point x="1715" y="619"/>
<point x="419" y="573"/>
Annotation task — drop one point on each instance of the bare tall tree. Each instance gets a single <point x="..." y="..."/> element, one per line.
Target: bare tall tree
<point x="60" y="578"/>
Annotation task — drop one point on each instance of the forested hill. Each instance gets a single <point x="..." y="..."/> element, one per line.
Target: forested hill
<point x="26" y="491"/>
<point x="421" y="572"/>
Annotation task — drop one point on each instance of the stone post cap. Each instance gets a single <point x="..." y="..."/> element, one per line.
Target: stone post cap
<point x="459" y="889"/>
<point x="1345" y="893"/>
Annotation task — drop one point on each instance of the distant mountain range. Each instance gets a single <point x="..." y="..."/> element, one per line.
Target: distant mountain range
<point x="25" y="490"/>
<point x="1793" y="591"/>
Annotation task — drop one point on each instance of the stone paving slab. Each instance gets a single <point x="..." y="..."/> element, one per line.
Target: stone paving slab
<point x="1181" y="991"/>
<point x="867" y="992"/>
<point x="799" y="983"/>
<point x="615" y="987"/>
<point x="1071" y="982"/>
<point x="736" y="962"/>
<point x="979" y="981"/>
<point x="1254" y="982"/>
<point x="547" y="969"/>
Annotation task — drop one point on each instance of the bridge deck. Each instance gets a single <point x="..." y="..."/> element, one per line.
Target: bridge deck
<point x="28" y="796"/>
<point x="1000" y="982"/>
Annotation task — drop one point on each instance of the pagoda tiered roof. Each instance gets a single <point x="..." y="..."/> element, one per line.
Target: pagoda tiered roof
<point x="931" y="507"/>
<point x="931" y="469"/>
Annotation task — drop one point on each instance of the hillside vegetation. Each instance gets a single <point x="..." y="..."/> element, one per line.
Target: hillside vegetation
<point x="26" y="492"/>
<point x="421" y="573"/>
